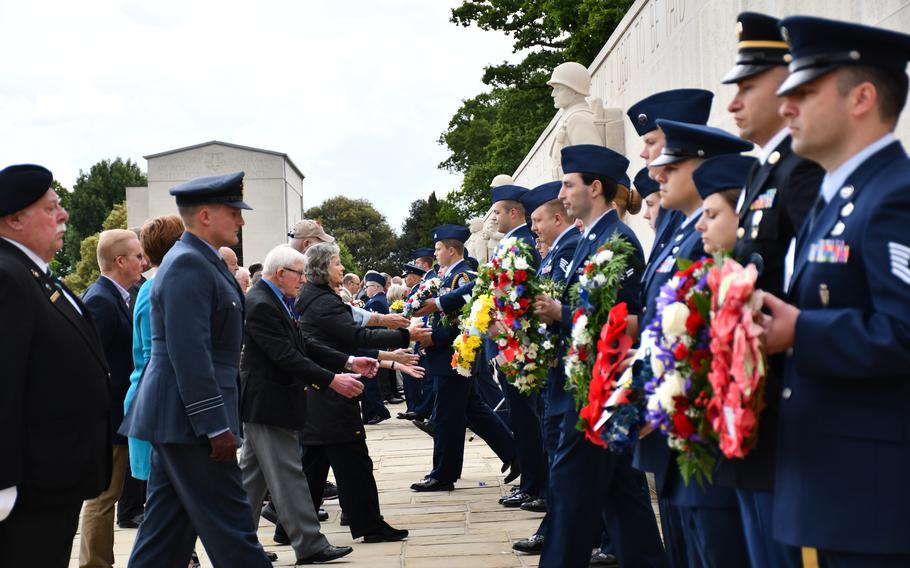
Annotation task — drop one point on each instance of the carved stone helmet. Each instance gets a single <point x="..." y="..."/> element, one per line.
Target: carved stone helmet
<point x="573" y="75"/>
<point x="502" y="179"/>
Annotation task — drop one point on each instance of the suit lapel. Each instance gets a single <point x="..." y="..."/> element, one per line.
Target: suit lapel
<point x="118" y="299"/>
<point x="761" y="177"/>
<point x="282" y="309"/>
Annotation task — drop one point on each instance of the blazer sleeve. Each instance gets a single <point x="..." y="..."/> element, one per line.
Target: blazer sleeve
<point x="329" y="318"/>
<point x="456" y="299"/>
<point x="265" y="328"/>
<point x="187" y="300"/>
<point x="16" y="305"/>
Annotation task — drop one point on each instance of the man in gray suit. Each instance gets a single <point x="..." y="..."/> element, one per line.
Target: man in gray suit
<point x="187" y="404"/>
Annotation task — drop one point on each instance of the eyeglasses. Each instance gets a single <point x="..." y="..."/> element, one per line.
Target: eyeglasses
<point x="297" y="272"/>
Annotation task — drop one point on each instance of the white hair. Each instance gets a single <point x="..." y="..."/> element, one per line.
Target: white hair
<point x="281" y="256"/>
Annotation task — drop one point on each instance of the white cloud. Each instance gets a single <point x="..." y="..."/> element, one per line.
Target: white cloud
<point x="355" y="92"/>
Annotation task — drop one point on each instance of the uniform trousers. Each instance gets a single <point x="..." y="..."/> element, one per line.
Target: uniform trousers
<point x="191" y="494"/>
<point x="490" y="391"/>
<point x="44" y="533"/>
<point x="597" y="488"/>
<point x="714" y="537"/>
<point x="371" y="402"/>
<point x="424" y="407"/>
<point x="412" y="391"/>
<point x="526" y="427"/>
<point x="132" y="499"/>
<point x="357" y="491"/>
<point x="671" y="525"/>
<point x="96" y="545"/>
<point x="755" y="510"/>
<point x="269" y="461"/>
<point x="458" y="404"/>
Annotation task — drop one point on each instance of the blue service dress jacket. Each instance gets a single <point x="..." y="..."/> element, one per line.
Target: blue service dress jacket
<point x="439" y="355"/>
<point x="843" y="449"/>
<point x="191" y="385"/>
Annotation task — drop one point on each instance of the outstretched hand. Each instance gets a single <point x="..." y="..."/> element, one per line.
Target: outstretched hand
<point x="403" y="356"/>
<point x="428" y="307"/>
<point x="347" y="385"/>
<point x="366" y="366"/>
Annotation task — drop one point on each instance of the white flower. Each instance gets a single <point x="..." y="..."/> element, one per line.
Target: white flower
<point x="673" y="319"/>
<point x="547" y="345"/>
<point x="507" y="263"/>
<point x="579" y="330"/>
<point x="464" y="372"/>
<point x="657" y="366"/>
<point x="603" y="256"/>
<point x="600" y="279"/>
<point x="673" y="385"/>
<point x="583" y="280"/>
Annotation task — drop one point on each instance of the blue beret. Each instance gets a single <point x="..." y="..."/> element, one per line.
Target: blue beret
<point x="457" y="232"/>
<point x="760" y="47"/>
<point x="819" y="46"/>
<point x="690" y="105"/>
<point x="22" y="185"/>
<point x="226" y="190"/>
<point x="721" y="173"/>
<point x="644" y="185"/>
<point x="409" y="268"/>
<point x="423" y="252"/>
<point x="540" y="195"/>
<point x="594" y="160"/>
<point x="508" y="192"/>
<point x="685" y="141"/>
<point x="374" y="277"/>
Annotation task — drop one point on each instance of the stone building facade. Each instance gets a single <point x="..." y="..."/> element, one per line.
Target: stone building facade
<point x="272" y="186"/>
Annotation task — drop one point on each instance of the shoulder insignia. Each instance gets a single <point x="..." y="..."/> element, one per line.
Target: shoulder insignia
<point x="564" y="264"/>
<point x="460" y="278"/>
<point x="900" y="261"/>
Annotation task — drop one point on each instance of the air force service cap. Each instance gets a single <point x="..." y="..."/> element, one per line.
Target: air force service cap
<point x="423" y="252"/>
<point x="21" y="185"/>
<point x="690" y="105"/>
<point x="720" y="173"/>
<point x="644" y="185"/>
<point x="540" y="195"/>
<point x="408" y="268"/>
<point x="760" y="46"/>
<point x="457" y="232"/>
<point x="820" y="46"/>
<point x="594" y="160"/>
<point x="225" y="190"/>
<point x="508" y="193"/>
<point x="686" y="141"/>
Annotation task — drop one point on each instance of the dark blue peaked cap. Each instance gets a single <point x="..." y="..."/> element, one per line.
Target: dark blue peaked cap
<point x="457" y="232"/>
<point x="374" y="277"/>
<point x="423" y="252"/>
<point x="594" y="160"/>
<point x="819" y="46"/>
<point x="689" y="105"/>
<point x="760" y="46"/>
<point x="540" y="195"/>
<point x="685" y="141"/>
<point x="721" y="173"/>
<point x="508" y="192"/>
<point x="644" y="185"/>
<point x="408" y="268"/>
<point x="22" y="185"/>
<point x="225" y="189"/>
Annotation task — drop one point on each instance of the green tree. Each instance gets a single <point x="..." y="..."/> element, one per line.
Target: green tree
<point x="91" y="200"/>
<point x="365" y="231"/>
<point x="491" y="133"/>
<point x="347" y="259"/>
<point x="86" y="269"/>
<point x="423" y="215"/>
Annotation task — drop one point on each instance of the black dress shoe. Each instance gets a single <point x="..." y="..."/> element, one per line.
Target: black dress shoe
<point x="330" y="491"/>
<point x="410" y="415"/>
<point x="131" y="523"/>
<point x="512" y="491"/>
<point x="601" y="559"/>
<point x="530" y="545"/>
<point x="377" y="419"/>
<point x="386" y="533"/>
<point x="280" y="536"/>
<point x="514" y="471"/>
<point x="322" y="515"/>
<point x="396" y="400"/>
<point x="430" y="484"/>
<point x="327" y="554"/>
<point x="425" y="426"/>
<point x="515" y="501"/>
<point x="271" y="556"/>
<point x="269" y="513"/>
<point x="343" y="521"/>
<point x="538" y="505"/>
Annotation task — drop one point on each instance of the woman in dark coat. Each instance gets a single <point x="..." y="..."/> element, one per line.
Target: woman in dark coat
<point x="334" y="434"/>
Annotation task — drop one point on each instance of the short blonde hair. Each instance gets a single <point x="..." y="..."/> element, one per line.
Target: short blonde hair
<point x="111" y="244"/>
<point x="396" y="292"/>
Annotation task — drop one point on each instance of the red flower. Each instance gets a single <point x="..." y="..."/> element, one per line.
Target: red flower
<point x="503" y="279"/>
<point x="523" y="302"/>
<point x="680" y="352"/>
<point x="694" y="323"/>
<point x="521" y="276"/>
<point x="682" y="425"/>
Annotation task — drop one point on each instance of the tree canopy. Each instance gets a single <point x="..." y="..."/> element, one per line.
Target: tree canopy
<point x="86" y="269"/>
<point x="363" y="229"/>
<point x="492" y="132"/>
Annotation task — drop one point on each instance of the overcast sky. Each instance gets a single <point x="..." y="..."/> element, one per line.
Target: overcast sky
<point x="355" y="92"/>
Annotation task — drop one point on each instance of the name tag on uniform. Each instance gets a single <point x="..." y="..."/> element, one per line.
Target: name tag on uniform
<point x="764" y="200"/>
<point x="667" y="265"/>
<point x="830" y="251"/>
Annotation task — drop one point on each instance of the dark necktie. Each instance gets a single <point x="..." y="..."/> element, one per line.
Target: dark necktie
<point x="816" y="210"/>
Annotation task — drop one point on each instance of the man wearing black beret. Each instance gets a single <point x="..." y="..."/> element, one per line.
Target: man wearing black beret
<point x="54" y="406"/>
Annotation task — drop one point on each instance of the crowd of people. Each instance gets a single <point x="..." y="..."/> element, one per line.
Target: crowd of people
<point x="140" y="393"/>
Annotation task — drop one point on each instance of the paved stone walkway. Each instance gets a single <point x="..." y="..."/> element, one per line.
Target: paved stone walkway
<point x="466" y="527"/>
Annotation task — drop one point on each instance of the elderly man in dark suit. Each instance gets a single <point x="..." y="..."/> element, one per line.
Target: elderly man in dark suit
<point x="187" y="404"/>
<point x="276" y="371"/>
<point x="107" y="299"/>
<point x="54" y="401"/>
